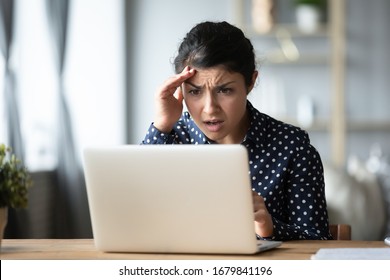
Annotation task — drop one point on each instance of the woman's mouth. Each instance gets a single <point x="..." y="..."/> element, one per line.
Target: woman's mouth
<point x="213" y="126"/>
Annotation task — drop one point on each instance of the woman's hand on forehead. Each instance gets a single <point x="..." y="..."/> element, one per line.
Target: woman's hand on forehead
<point x="169" y="100"/>
<point x="171" y="84"/>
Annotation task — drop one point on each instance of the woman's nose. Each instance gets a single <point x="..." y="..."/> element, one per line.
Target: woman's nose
<point x="211" y="103"/>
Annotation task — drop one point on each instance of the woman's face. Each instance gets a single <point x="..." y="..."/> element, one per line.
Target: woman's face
<point x="216" y="100"/>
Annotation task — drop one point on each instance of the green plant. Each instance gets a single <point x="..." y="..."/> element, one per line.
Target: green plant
<point x="15" y="180"/>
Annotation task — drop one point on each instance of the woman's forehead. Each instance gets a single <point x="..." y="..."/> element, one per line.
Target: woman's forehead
<point x="214" y="75"/>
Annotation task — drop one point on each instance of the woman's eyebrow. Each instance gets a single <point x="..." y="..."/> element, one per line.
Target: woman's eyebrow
<point x="217" y="86"/>
<point x="191" y="84"/>
<point x="225" y="84"/>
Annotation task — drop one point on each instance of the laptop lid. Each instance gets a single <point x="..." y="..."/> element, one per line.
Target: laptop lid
<point x="171" y="199"/>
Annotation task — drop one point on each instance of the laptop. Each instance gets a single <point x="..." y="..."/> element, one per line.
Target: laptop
<point x="171" y="199"/>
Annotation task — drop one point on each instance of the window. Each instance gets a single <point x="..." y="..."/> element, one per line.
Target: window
<point x="94" y="78"/>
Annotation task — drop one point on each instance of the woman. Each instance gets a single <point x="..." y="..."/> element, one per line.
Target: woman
<point x="215" y="72"/>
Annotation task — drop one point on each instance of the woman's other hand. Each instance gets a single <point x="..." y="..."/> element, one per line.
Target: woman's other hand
<point x="263" y="220"/>
<point x="169" y="101"/>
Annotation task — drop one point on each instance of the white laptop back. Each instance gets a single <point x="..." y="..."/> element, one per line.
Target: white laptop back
<point x="171" y="199"/>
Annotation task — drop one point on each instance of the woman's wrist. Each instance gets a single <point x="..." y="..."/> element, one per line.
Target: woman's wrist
<point x="163" y="127"/>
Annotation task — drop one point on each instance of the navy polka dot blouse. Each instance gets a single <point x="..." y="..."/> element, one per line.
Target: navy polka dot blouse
<point x="285" y="169"/>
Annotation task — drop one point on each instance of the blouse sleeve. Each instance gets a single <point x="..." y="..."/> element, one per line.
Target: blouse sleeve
<point x="305" y="198"/>
<point x="155" y="136"/>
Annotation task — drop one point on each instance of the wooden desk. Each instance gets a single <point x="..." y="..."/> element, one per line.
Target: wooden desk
<point x="78" y="249"/>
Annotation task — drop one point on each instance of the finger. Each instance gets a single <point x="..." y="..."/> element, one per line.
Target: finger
<point x="257" y="196"/>
<point x="261" y="216"/>
<point x="179" y="94"/>
<point x="184" y="75"/>
<point x="170" y="85"/>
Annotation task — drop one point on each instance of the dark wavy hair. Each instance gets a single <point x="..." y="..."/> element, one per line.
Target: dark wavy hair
<point x="210" y="44"/>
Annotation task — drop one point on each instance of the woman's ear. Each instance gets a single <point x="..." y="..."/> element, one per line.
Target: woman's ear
<point x="254" y="78"/>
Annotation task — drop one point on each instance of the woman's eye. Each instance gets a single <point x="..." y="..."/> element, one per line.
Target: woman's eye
<point x="225" y="90"/>
<point x="194" y="92"/>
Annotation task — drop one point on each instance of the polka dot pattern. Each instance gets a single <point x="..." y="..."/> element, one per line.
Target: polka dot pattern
<point x="285" y="169"/>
